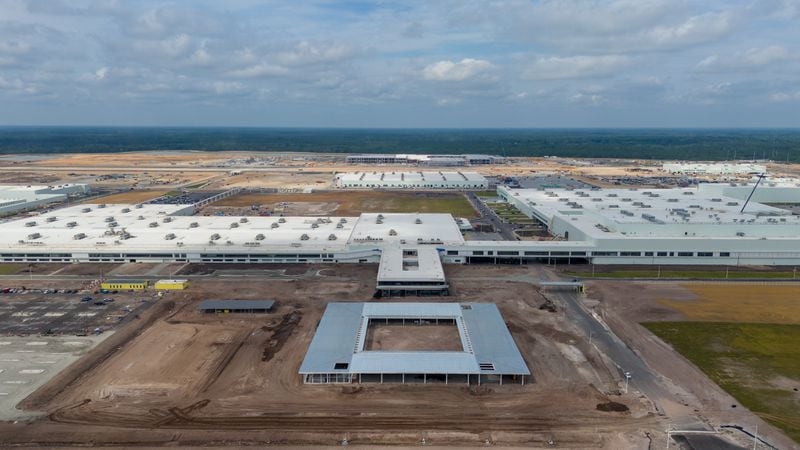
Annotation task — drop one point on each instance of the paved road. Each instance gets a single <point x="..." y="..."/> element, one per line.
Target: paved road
<point x="626" y="360"/>
<point x="504" y="229"/>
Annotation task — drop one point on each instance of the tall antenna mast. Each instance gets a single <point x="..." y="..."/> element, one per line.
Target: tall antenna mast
<point x="760" y="176"/>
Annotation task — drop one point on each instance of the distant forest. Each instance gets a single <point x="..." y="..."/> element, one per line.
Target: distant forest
<point x="781" y="145"/>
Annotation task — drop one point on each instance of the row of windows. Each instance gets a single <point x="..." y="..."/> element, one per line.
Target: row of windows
<point x="664" y="254"/>
<point x="597" y="253"/>
<point x="514" y="253"/>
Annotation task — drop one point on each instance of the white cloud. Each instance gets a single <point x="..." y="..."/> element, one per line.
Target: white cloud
<point x="260" y="70"/>
<point x="456" y="71"/>
<point x="555" y="68"/>
<point x="782" y="97"/>
<point x="750" y="59"/>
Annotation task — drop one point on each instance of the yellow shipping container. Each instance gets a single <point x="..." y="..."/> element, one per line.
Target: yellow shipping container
<point x="166" y="285"/>
<point x="124" y="285"/>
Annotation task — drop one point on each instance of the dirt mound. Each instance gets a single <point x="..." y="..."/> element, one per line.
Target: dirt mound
<point x="612" y="407"/>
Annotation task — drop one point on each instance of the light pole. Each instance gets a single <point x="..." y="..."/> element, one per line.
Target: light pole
<point x="627" y="378"/>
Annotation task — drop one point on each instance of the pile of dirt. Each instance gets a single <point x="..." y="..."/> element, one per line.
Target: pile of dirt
<point x="280" y="334"/>
<point x="612" y="407"/>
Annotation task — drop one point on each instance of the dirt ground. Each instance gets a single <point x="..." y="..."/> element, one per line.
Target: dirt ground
<point x="351" y="203"/>
<point x="191" y="378"/>
<point x="410" y="337"/>
<point x="130" y="197"/>
<point x="624" y="305"/>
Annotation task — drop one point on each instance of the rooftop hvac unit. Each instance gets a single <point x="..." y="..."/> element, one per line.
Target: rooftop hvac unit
<point x="112" y="224"/>
<point x="140" y="218"/>
<point x="418" y="221"/>
<point x="282" y="220"/>
<point x="331" y="237"/>
<point x="304" y="237"/>
<point x="33" y="236"/>
<point x="72" y="224"/>
<point x="379" y="221"/>
<point x="314" y="225"/>
<point x="339" y="225"/>
<point x="243" y="220"/>
<point x="180" y="244"/>
<point x="79" y="236"/>
<point x="51" y="219"/>
<point x="169" y="236"/>
<point x="194" y="225"/>
<point x="139" y="206"/>
<point x="109" y="219"/>
<point x="30" y="224"/>
<point x="85" y="210"/>
<point x="235" y="225"/>
<point x="274" y="225"/>
<point x="342" y="220"/>
<point x="392" y="232"/>
<point x="153" y="224"/>
<point x="126" y="210"/>
<point x="101" y="205"/>
<point x="259" y="237"/>
<point x="740" y="233"/>
<point x="215" y="236"/>
<point x="167" y="219"/>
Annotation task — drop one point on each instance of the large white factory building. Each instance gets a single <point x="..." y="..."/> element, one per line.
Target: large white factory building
<point x="702" y="225"/>
<point x="411" y="180"/>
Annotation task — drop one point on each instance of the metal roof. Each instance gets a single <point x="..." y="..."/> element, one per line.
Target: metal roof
<point x="236" y="304"/>
<point x="484" y="336"/>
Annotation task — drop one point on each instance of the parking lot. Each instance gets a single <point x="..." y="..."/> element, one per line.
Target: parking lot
<point x="551" y="182"/>
<point x="36" y="313"/>
<point x="28" y="362"/>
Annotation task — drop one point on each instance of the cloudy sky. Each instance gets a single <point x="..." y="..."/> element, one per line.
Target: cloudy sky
<point x="427" y="63"/>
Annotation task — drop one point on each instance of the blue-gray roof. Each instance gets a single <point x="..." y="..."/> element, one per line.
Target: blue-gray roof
<point x="235" y="304"/>
<point x="484" y="336"/>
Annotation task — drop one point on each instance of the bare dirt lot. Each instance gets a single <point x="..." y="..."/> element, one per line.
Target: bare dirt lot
<point x="130" y="197"/>
<point x="191" y="378"/>
<point x="349" y="203"/>
<point x="411" y="337"/>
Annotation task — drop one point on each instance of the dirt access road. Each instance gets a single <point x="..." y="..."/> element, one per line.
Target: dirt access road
<point x="193" y="379"/>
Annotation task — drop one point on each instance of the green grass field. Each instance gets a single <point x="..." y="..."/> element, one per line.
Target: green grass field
<point x="758" y="364"/>
<point x="486" y="194"/>
<point x="11" y="269"/>
<point x="699" y="274"/>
